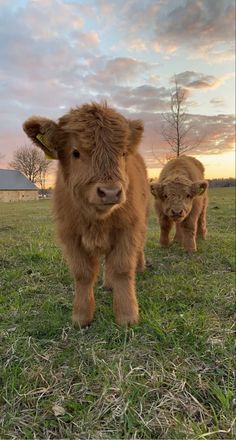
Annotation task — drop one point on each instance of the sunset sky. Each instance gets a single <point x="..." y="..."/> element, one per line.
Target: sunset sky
<point x="56" y="54"/>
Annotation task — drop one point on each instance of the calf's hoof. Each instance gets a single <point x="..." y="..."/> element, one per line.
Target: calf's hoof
<point x="127" y="319"/>
<point x="176" y="240"/>
<point x="80" y="321"/>
<point x="164" y="244"/>
<point x="141" y="265"/>
<point x="80" y="324"/>
<point x="107" y="287"/>
<point x="191" y="251"/>
<point x="141" y="268"/>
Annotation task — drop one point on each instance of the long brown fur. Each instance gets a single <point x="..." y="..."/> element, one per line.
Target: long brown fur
<point x="107" y="143"/>
<point x="181" y="199"/>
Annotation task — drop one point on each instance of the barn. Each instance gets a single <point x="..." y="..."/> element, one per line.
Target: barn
<point x="14" y="186"/>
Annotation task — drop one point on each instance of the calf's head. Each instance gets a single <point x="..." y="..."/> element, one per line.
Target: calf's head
<point x="177" y="196"/>
<point x="92" y="143"/>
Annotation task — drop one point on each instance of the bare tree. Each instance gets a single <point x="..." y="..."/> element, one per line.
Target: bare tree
<point x="43" y="170"/>
<point x="31" y="162"/>
<point x="162" y="160"/>
<point x="1" y="156"/>
<point x="177" y="124"/>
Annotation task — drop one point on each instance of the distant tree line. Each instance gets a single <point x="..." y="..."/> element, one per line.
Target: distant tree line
<point x="222" y="183"/>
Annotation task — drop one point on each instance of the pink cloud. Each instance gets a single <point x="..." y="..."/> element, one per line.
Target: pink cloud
<point x="117" y="71"/>
<point x="49" y="18"/>
<point x="196" y="80"/>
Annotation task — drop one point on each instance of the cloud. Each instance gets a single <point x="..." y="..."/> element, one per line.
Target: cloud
<point x="143" y="98"/>
<point x="195" y="80"/>
<point x="45" y="59"/>
<point x="49" y="18"/>
<point x="200" y="27"/>
<point x="85" y="40"/>
<point x="116" y="71"/>
<point x="217" y="102"/>
<point x="217" y="133"/>
<point x="204" y="26"/>
<point x="49" y="40"/>
<point x="130" y="15"/>
<point x="122" y="69"/>
<point x="137" y="44"/>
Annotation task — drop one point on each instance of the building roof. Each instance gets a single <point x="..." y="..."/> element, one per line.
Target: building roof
<point x="15" y="180"/>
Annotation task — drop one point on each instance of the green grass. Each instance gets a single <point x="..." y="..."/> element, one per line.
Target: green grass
<point x="169" y="377"/>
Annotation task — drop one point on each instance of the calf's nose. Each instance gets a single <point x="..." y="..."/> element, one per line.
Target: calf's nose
<point x="177" y="212"/>
<point x="109" y="195"/>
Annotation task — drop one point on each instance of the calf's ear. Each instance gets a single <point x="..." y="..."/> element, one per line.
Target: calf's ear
<point x="135" y="136"/>
<point x="43" y="132"/>
<point x="156" y="189"/>
<point x="198" y="188"/>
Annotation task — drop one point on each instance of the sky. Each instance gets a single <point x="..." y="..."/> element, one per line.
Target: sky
<point x="57" y="54"/>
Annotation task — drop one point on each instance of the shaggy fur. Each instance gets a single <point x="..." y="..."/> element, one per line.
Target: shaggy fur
<point x="100" y="202"/>
<point x="181" y="198"/>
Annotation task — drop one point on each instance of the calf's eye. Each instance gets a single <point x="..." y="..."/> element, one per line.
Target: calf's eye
<point x="76" y="154"/>
<point x="188" y="196"/>
<point x="165" y="196"/>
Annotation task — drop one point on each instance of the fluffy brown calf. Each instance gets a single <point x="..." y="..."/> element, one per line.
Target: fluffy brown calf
<point x="181" y="198"/>
<point x="100" y="202"/>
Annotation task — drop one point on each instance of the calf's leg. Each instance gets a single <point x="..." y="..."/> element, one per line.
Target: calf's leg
<point x="141" y="260"/>
<point x="141" y="263"/>
<point x="121" y="265"/>
<point x="84" y="269"/>
<point x="107" y="281"/>
<point x="178" y="234"/>
<point x="165" y="225"/>
<point x="202" y="229"/>
<point x="125" y="304"/>
<point x="84" y="303"/>
<point x="189" y="230"/>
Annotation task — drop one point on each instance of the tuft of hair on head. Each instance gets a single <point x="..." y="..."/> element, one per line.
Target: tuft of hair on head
<point x="136" y="133"/>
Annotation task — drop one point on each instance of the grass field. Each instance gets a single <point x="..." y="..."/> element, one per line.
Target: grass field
<point x="169" y="377"/>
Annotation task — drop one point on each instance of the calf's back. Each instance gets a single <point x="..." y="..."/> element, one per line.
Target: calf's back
<point x="184" y="166"/>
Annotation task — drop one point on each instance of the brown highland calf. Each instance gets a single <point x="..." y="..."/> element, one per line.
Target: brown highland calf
<point x="100" y="202"/>
<point x="181" y="198"/>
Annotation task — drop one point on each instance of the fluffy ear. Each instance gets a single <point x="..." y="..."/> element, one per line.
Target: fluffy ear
<point x="156" y="189"/>
<point x="198" y="188"/>
<point x="136" y="132"/>
<point x="43" y="132"/>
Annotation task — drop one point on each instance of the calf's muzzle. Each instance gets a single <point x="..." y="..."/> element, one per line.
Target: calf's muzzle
<point x="109" y="195"/>
<point x="176" y="212"/>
